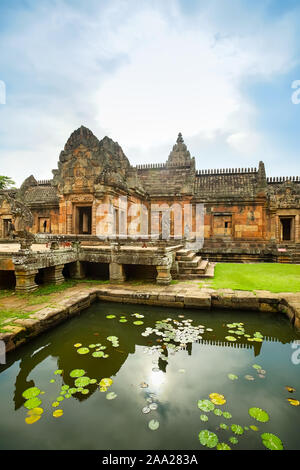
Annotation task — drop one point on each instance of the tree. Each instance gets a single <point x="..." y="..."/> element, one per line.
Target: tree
<point x="5" y="182"/>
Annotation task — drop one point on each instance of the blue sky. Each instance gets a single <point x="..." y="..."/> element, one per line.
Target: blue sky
<point x="140" y="71"/>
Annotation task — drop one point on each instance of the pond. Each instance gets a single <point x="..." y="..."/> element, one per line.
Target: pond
<point x="169" y="379"/>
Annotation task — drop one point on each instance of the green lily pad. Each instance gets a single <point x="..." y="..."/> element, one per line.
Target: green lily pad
<point x="65" y="387"/>
<point x="77" y="373"/>
<point x="224" y="426"/>
<point x="259" y="414"/>
<point x="256" y="366"/>
<point x="138" y="322"/>
<point x="208" y="438"/>
<point x="32" y="403"/>
<point x="85" y="391"/>
<point x="232" y="376"/>
<point x="92" y="346"/>
<point x="218" y="412"/>
<point x="111" y="396"/>
<point x="227" y="415"/>
<point x="205" y="405"/>
<point x="230" y="338"/>
<point x="72" y="390"/>
<point x="82" y="382"/>
<point x="223" y="446"/>
<point x="52" y="381"/>
<point x="203" y="418"/>
<point x="58" y="372"/>
<point x="31" y="393"/>
<point x="110" y="316"/>
<point x="98" y="354"/>
<point x="237" y="429"/>
<point x="55" y="404"/>
<point x="123" y="320"/>
<point x="112" y="338"/>
<point x="153" y="424"/>
<point x="60" y="398"/>
<point x="233" y="440"/>
<point x="93" y="381"/>
<point x="272" y="442"/>
<point x="83" y="350"/>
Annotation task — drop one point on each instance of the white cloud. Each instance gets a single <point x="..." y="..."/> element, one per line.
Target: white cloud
<point x="139" y="71"/>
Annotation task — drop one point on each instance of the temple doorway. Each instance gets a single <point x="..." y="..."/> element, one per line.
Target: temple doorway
<point x="286" y="228"/>
<point x="84" y="220"/>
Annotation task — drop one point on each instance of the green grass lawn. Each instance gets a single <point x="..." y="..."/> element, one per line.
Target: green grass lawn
<point x="263" y="276"/>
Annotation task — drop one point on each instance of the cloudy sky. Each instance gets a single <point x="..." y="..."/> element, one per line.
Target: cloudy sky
<point x="140" y="71"/>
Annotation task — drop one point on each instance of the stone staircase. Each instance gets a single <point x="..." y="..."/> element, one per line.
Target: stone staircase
<point x="191" y="266"/>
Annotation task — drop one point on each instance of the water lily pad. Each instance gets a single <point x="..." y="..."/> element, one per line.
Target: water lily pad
<point x="218" y="412"/>
<point x="77" y="373"/>
<point x="253" y="427"/>
<point x="290" y="389"/>
<point x="35" y="411"/>
<point x="224" y="426"/>
<point x="111" y="396"/>
<point x="153" y="424"/>
<point x="146" y="410"/>
<point x="32" y="403"/>
<point x="110" y="316"/>
<point x="227" y="415"/>
<point x="153" y="406"/>
<point x="217" y="398"/>
<point x="237" y="429"/>
<point x="230" y="338"/>
<point x="72" y="391"/>
<point x="223" y="446"/>
<point x="82" y="381"/>
<point x="232" y="376"/>
<point x="83" y="350"/>
<point x="93" y="381"/>
<point x="77" y="345"/>
<point x="58" y="372"/>
<point x="60" y="398"/>
<point x="271" y="441"/>
<point x="208" y="438"/>
<point x="203" y="418"/>
<point x="65" y="387"/>
<point x="106" y="382"/>
<point x="85" y="391"/>
<point x="98" y="354"/>
<point x="32" y="419"/>
<point x="259" y="414"/>
<point x="52" y="381"/>
<point x="138" y="322"/>
<point x="293" y="402"/>
<point x="123" y="320"/>
<point x="31" y="393"/>
<point x="112" y="338"/>
<point x="205" y="405"/>
<point x="58" y="413"/>
<point x="256" y="366"/>
<point x="55" y="404"/>
<point x="233" y="440"/>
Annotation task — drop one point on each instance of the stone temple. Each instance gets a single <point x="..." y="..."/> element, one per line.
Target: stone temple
<point x="246" y="216"/>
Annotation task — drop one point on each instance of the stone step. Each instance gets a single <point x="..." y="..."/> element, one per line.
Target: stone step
<point x="200" y="269"/>
<point x="208" y="274"/>
<point x="188" y="256"/>
<point x="190" y="264"/>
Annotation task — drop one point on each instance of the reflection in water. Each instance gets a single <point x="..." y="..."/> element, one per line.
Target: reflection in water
<point x="180" y="375"/>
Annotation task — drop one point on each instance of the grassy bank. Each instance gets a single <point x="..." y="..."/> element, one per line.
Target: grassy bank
<point x="263" y="276"/>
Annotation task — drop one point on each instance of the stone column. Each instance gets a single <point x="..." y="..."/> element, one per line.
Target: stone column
<point x="25" y="281"/>
<point x="163" y="275"/>
<point x="54" y="275"/>
<point x="116" y="273"/>
<point x="77" y="270"/>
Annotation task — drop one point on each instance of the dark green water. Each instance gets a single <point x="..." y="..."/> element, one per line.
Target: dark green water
<point x="92" y="421"/>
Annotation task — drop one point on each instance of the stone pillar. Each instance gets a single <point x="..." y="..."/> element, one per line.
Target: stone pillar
<point x="77" y="270"/>
<point x="25" y="281"/>
<point x="54" y="275"/>
<point x="116" y="273"/>
<point x="163" y="275"/>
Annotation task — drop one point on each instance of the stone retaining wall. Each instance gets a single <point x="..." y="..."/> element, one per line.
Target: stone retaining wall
<point x="22" y="330"/>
